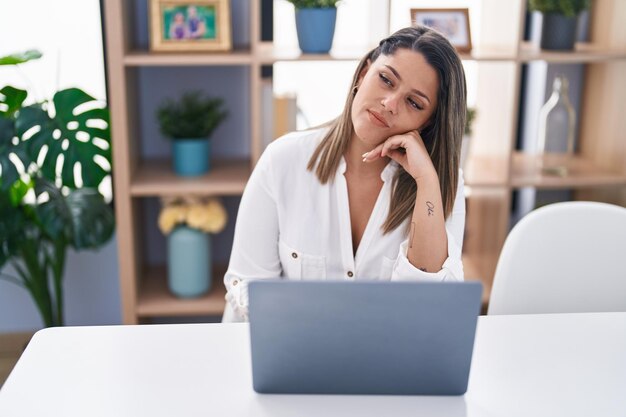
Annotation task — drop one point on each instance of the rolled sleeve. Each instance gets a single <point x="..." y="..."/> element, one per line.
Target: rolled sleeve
<point x="452" y="268"/>
<point x="237" y="300"/>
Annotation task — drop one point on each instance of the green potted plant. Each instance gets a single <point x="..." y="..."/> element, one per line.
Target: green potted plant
<point x="560" y="19"/>
<point x="44" y="207"/>
<point x="189" y="122"/>
<point x="315" y="24"/>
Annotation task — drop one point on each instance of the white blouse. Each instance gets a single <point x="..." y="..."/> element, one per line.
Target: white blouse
<point x="291" y="226"/>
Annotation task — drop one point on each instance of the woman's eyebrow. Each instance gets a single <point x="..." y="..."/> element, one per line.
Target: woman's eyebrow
<point x="418" y="92"/>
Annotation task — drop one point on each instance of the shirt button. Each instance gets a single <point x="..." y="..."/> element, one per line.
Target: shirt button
<point x="235" y="282"/>
<point x="294" y="255"/>
<point x="350" y="274"/>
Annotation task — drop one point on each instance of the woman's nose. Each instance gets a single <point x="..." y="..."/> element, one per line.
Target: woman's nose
<point x="390" y="103"/>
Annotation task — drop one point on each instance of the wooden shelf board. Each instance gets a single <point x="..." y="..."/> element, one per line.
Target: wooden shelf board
<point x="155" y="299"/>
<point x="267" y="54"/>
<point x="486" y="171"/>
<point x="146" y="58"/>
<point x="583" y="52"/>
<point x="156" y="178"/>
<point x="580" y="173"/>
<point x="489" y="54"/>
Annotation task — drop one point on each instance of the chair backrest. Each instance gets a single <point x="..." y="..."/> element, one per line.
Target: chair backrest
<point x="563" y="258"/>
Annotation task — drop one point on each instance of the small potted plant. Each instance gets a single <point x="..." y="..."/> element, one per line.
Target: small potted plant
<point x="315" y="23"/>
<point x="189" y="122"/>
<point x="560" y="18"/>
<point x="187" y="223"/>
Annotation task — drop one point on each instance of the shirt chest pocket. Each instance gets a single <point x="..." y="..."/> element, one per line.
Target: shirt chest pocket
<point x="386" y="268"/>
<point x="298" y="265"/>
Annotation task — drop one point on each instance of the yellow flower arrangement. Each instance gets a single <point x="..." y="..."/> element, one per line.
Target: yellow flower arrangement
<point x="208" y="216"/>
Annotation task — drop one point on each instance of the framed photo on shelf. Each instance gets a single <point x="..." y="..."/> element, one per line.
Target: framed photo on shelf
<point x="190" y="25"/>
<point x="452" y="23"/>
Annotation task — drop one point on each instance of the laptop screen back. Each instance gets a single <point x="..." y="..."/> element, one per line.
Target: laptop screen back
<point x="325" y="337"/>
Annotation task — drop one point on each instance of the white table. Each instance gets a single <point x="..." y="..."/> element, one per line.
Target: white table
<point x="538" y="365"/>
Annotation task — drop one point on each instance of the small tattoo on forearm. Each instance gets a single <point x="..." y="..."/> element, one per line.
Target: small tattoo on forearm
<point x="422" y="269"/>
<point x="411" y="234"/>
<point x="431" y="208"/>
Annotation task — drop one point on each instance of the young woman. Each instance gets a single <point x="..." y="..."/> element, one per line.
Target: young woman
<point x="375" y="194"/>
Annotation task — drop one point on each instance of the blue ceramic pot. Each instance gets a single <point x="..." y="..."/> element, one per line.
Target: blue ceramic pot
<point x="316" y="28"/>
<point x="189" y="262"/>
<point x="191" y="156"/>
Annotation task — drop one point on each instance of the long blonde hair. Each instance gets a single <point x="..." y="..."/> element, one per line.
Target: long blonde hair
<point x="442" y="135"/>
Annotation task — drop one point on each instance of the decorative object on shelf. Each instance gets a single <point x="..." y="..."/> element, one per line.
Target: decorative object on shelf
<point x="187" y="223"/>
<point x="560" y="20"/>
<point x="53" y="157"/>
<point x="452" y="23"/>
<point x="190" y="25"/>
<point x="557" y="122"/>
<point x="467" y="133"/>
<point x="189" y="123"/>
<point x="315" y="24"/>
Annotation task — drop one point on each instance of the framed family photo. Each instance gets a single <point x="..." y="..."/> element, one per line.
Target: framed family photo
<point x="452" y="23"/>
<point x="190" y="25"/>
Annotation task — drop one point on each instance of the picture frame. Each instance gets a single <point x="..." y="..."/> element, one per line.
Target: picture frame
<point x="190" y="25"/>
<point x="452" y="23"/>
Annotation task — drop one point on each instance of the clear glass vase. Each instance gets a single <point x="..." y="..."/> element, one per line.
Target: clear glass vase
<point x="557" y="122"/>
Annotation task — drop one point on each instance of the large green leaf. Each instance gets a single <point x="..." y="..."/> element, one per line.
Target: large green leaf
<point x="20" y="57"/>
<point x="19" y="190"/>
<point x="79" y="126"/>
<point x="93" y="219"/>
<point x="36" y="118"/>
<point x="82" y="218"/>
<point x="54" y="215"/>
<point x="11" y="99"/>
<point x="10" y="174"/>
<point x="12" y="222"/>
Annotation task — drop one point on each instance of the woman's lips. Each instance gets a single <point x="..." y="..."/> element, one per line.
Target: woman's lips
<point x="377" y="119"/>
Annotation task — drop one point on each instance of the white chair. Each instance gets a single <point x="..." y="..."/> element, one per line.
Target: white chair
<point x="563" y="258"/>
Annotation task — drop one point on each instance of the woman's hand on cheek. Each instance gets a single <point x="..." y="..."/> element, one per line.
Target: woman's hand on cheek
<point x="409" y="151"/>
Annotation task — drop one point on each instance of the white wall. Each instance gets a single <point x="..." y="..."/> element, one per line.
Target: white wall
<point x="68" y="33"/>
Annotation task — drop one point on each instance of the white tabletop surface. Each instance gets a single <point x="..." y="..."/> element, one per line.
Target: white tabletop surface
<point x="535" y="365"/>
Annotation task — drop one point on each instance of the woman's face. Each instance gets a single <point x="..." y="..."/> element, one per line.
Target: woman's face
<point x="397" y="94"/>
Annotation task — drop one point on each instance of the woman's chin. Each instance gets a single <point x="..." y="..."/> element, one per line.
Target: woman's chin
<point x="368" y="137"/>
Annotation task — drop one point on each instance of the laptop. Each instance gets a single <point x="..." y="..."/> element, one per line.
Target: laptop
<point x="337" y="337"/>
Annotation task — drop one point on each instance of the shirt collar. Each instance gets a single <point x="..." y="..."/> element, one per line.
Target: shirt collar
<point x="386" y="175"/>
<point x="389" y="171"/>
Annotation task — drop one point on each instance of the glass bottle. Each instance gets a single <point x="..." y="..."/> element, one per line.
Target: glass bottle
<point x="557" y="122"/>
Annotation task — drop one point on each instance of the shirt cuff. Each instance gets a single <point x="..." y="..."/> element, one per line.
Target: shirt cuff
<point x="451" y="270"/>
<point x="237" y="298"/>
